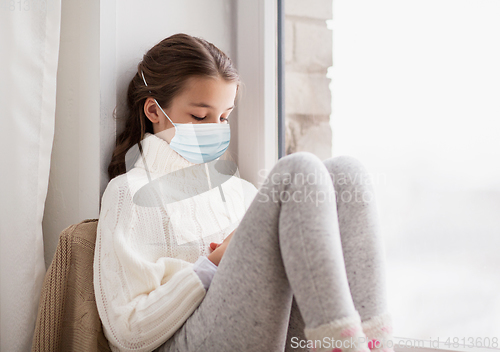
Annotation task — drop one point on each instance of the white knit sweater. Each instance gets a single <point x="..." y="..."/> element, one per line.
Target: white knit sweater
<point x="144" y="282"/>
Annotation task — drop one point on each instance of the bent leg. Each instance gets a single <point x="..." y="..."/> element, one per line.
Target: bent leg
<point x="360" y="235"/>
<point x="287" y="243"/>
<point x="362" y="243"/>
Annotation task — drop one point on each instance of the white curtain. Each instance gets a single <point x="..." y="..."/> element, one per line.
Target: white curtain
<point x="29" y="48"/>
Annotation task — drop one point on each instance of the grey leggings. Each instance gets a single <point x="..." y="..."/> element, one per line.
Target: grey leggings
<point x="306" y="252"/>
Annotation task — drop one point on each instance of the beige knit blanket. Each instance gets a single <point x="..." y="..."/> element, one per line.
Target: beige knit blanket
<point x="67" y="314"/>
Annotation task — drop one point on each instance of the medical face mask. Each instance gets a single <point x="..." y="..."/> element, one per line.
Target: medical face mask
<point x="199" y="142"/>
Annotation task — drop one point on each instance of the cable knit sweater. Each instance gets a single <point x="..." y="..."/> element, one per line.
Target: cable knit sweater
<point x="145" y="279"/>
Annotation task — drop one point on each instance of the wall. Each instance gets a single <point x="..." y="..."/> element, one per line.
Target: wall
<point x="308" y="54"/>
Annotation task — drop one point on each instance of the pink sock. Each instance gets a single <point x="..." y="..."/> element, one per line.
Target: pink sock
<point x="378" y="331"/>
<point x="341" y="335"/>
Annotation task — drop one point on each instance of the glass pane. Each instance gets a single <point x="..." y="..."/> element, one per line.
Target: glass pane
<point x="416" y="87"/>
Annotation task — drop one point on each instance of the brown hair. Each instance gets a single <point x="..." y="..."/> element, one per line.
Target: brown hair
<point x="166" y="67"/>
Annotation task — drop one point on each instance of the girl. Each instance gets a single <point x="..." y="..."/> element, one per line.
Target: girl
<point x="187" y="262"/>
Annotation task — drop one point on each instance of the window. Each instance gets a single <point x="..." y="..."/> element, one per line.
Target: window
<point x="416" y="87"/>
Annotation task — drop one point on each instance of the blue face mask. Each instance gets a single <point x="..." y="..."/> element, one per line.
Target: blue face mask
<point x="199" y="142"/>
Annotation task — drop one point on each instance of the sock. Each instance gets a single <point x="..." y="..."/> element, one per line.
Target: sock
<point x="341" y="335"/>
<point x="378" y="331"/>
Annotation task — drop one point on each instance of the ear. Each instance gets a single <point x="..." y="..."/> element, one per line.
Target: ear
<point x="151" y="110"/>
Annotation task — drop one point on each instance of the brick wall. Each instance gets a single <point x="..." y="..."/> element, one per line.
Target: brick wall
<point x="308" y="54"/>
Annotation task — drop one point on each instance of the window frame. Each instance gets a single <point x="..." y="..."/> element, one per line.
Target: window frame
<point x="256" y="55"/>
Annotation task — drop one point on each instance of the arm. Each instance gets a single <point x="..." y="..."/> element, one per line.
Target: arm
<point x="141" y="303"/>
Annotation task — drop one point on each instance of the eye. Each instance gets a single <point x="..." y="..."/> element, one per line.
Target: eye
<point x="197" y="118"/>
<point x="223" y="118"/>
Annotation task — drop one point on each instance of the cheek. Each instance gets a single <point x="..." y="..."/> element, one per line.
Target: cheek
<point x="177" y="115"/>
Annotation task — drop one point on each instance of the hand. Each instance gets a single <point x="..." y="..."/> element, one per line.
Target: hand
<point x="218" y="249"/>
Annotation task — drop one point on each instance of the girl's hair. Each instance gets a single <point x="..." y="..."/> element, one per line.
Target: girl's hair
<point x="166" y="67"/>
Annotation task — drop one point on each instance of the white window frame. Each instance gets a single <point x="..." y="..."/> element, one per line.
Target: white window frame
<point x="256" y="46"/>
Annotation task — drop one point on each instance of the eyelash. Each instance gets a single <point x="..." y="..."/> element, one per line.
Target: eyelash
<point x="202" y="118"/>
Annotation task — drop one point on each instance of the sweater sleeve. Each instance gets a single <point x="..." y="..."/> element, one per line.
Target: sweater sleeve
<point x="205" y="270"/>
<point x="141" y="303"/>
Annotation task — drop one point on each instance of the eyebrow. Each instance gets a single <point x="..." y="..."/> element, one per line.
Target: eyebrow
<point x="203" y="105"/>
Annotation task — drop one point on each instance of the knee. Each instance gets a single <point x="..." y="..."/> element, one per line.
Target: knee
<point x="300" y="161"/>
<point x="299" y="166"/>
<point x="347" y="168"/>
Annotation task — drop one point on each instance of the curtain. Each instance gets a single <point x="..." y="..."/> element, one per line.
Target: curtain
<point x="29" y="48"/>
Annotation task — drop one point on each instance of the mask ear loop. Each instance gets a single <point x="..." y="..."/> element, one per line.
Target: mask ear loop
<point x="173" y="124"/>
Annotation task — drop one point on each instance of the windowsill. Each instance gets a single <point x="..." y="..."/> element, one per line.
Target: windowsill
<point x="400" y="348"/>
<point x="414" y="349"/>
